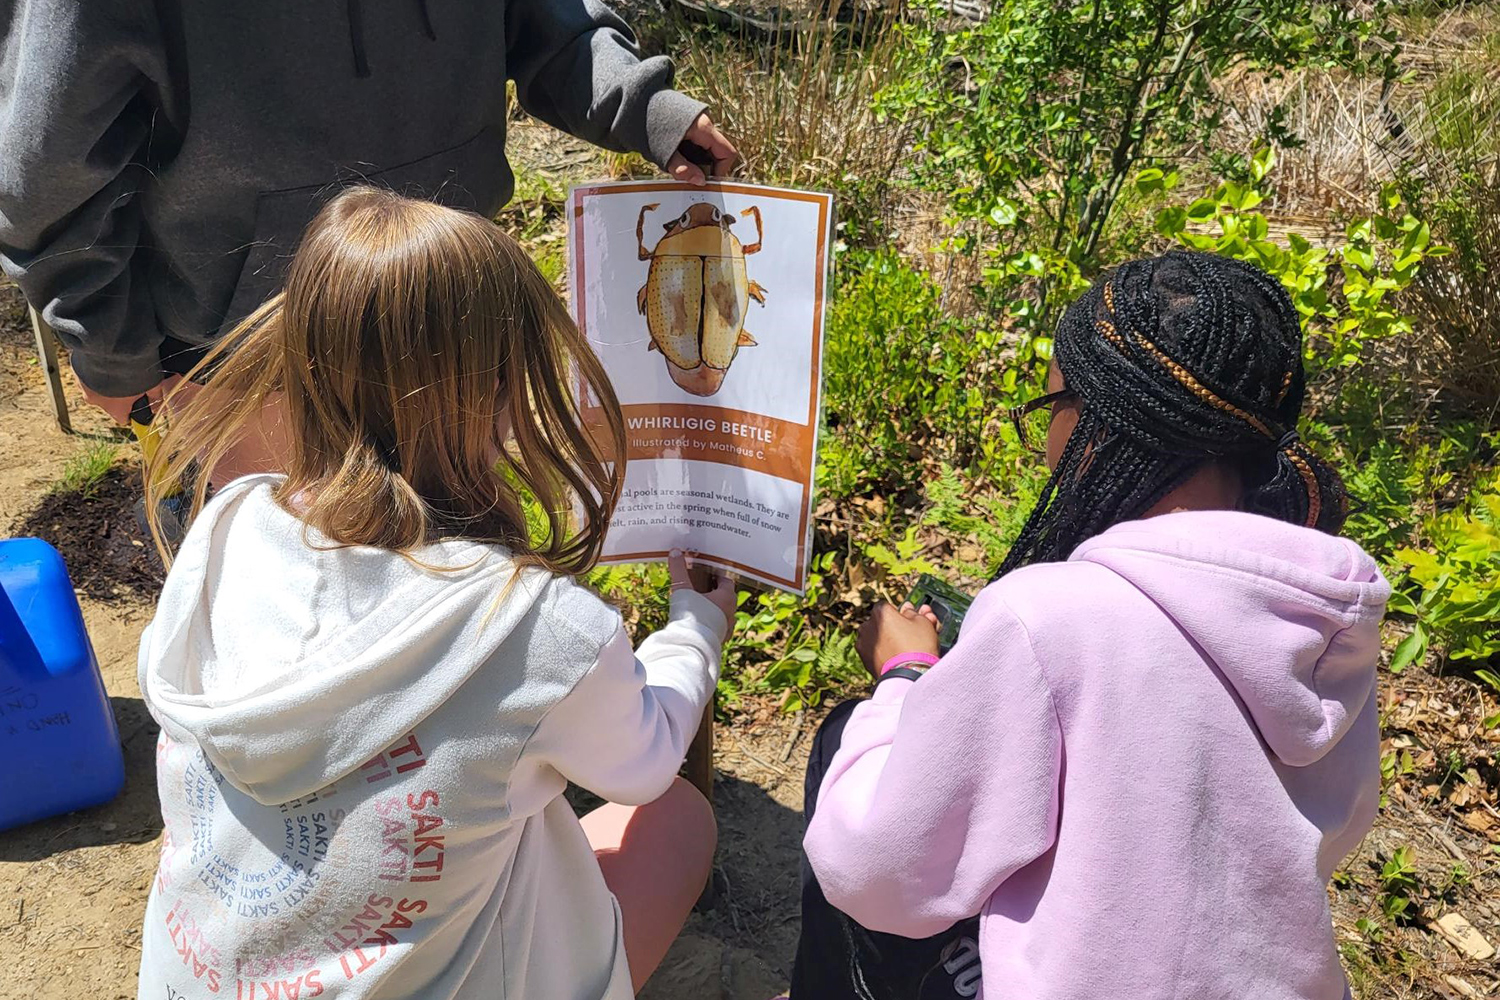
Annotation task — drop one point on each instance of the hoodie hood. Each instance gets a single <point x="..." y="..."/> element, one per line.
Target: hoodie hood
<point x="1289" y="615"/>
<point x="290" y="663"/>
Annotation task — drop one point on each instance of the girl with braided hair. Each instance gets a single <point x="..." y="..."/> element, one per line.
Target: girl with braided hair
<point x="1156" y="736"/>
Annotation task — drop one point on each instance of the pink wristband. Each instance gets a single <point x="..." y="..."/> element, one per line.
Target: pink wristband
<point x="926" y="659"/>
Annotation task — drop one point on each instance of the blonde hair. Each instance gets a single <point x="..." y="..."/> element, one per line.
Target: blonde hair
<point x="421" y="365"/>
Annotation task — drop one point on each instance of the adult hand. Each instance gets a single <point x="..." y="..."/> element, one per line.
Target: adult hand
<point x="891" y="630"/>
<point x="706" y="136"/>
<point x="717" y="588"/>
<point x="118" y="407"/>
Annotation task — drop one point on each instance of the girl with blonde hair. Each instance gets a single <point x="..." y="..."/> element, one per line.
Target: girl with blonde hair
<point x="374" y="680"/>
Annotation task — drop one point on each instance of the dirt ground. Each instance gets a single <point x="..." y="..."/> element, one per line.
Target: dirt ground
<point x="73" y="888"/>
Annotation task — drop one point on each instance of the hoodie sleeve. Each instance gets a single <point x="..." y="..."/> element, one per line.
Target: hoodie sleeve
<point x="941" y="788"/>
<point x="624" y="730"/>
<point x="577" y="67"/>
<point x="81" y="89"/>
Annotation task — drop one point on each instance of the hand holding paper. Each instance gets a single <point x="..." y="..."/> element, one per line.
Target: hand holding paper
<point x="703" y="148"/>
<point x="717" y="587"/>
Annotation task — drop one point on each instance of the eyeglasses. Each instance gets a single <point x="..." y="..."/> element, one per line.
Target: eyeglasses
<point x="1031" y="430"/>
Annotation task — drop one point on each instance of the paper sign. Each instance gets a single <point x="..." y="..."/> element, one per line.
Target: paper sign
<point x="705" y="305"/>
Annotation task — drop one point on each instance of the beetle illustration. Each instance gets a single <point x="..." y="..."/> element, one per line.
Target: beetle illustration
<point x="696" y="293"/>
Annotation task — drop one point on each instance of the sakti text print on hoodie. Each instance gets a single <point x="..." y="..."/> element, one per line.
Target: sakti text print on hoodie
<point x="362" y="763"/>
<point x="1140" y="767"/>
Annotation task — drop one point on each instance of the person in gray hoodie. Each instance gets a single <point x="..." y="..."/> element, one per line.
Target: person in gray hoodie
<point x="159" y="160"/>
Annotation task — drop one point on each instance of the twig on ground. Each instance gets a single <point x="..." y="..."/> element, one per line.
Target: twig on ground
<point x="791" y="743"/>
<point x="728" y="897"/>
<point x="1435" y="831"/>
<point x="774" y="768"/>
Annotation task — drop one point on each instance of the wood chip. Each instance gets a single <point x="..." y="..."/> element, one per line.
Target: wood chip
<point x="1462" y="935"/>
<point x="1479" y="822"/>
<point x="1462" y="987"/>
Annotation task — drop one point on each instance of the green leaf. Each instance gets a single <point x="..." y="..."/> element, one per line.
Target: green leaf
<point x="1202" y="210"/>
<point x="1360" y="258"/>
<point x="1262" y="163"/>
<point x="1150" y="180"/>
<point x="1401" y="604"/>
<point x="1412" y="647"/>
<point x="1004" y="214"/>
<point x="1171" y="220"/>
<point x="1420" y="237"/>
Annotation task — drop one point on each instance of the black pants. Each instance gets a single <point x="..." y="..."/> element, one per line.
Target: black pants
<point x="178" y="358"/>
<point x="837" y="959"/>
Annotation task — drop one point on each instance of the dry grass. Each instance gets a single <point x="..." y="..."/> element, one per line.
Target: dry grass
<point x="1346" y="140"/>
<point x="1456" y="299"/>
<point x="1438" y="128"/>
<point x="1459" y="308"/>
<point x="802" y="111"/>
<point x="1356" y="133"/>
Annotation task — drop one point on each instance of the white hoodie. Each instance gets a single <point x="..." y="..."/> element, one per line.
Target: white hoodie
<point x="362" y="762"/>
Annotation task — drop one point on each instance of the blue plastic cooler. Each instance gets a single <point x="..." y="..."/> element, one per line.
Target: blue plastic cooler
<point x="57" y="732"/>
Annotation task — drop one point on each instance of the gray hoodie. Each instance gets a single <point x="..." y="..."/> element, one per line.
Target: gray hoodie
<point x="159" y="159"/>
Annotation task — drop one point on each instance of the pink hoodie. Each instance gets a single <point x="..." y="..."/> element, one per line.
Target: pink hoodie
<point x="1140" y="766"/>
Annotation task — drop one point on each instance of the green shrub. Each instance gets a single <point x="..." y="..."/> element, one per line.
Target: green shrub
<point x="991" y="520"/>
<point x="1388" y="488"/>
<point x="785" y="644"/>
<point x="906" y="385"/>
<point x="1034" y="120"/>
<point x="1455" y="577"/>
<point x="1380" y="256"/>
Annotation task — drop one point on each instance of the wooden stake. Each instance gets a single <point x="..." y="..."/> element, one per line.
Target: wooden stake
<point x="700" y="756"/>
<point x="46" y="352"/>
<point x="700" y="771"/>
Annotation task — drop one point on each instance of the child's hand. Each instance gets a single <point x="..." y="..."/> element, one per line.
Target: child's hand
<point x="891" y="630"/>
<point x="706" y="136"/>
<point x="718" y="589"/>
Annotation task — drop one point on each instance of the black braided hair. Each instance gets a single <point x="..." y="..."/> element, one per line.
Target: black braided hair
<point x="1179" y="360"/>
